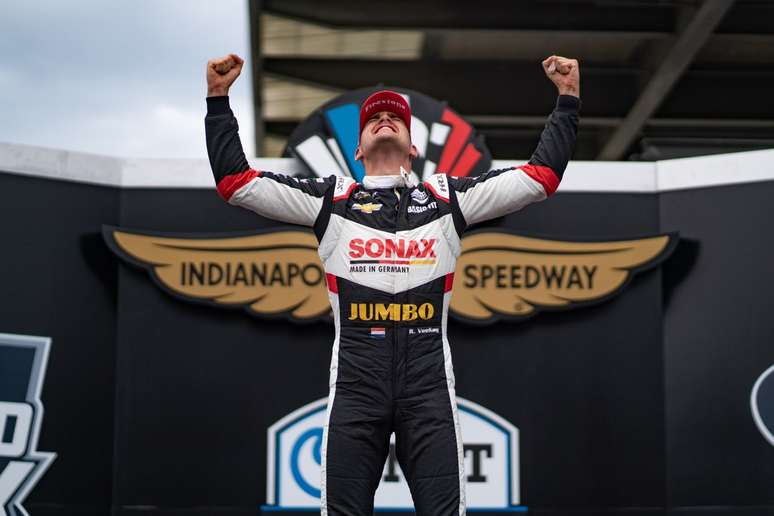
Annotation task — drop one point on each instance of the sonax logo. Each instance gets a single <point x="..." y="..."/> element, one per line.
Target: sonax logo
<point x="22" y="367"/>
<point x="392" y="250"/>
<point x="490" y="442"/>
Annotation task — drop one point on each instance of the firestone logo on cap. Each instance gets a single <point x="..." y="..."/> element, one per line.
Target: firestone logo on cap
<point x="385" y="100"/>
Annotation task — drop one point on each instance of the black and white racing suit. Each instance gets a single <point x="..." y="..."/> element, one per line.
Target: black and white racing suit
<point x="389" y="251"/>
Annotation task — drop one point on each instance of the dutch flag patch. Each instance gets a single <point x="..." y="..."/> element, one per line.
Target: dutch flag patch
<point x="377" y="333"/>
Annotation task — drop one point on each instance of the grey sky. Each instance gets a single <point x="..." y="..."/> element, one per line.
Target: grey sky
<point x="122" y="78"/>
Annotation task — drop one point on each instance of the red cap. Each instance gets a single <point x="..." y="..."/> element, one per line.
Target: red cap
<point x="385" y="100"/>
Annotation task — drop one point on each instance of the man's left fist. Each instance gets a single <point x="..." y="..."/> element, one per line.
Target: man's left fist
<point x="564" y="73"/>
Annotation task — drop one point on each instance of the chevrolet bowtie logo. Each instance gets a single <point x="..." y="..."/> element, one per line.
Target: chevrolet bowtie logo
<point x="368" y="207"/>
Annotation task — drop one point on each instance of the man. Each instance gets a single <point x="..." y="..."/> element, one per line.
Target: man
<point x="389" y="248"/>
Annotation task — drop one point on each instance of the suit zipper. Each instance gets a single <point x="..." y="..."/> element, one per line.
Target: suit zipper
<point x="395" y="390"/>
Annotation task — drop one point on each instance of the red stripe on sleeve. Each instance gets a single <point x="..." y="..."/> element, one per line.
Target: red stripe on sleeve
<point x="449" y="282"/>
<point x="345" y="195"/>
<point x="230" y="184"/>
<point x="435" y="193"/>
<point x="543" y="175"/>
<point x="332" y="285"/>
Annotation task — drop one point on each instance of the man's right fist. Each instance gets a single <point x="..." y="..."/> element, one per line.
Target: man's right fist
<point x="564" y="74"/>
<point x="221" y="74"/>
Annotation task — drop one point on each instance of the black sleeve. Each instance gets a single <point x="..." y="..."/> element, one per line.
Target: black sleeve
<point x="499" y="192"/>
<point x="275" y="196"/>
<point x="557" y="140"/>
<point x="223" y="145"/>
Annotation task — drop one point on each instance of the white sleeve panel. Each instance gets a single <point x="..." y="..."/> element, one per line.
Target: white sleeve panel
<point x="499" y="195"/>
<point x="280" y="201"/>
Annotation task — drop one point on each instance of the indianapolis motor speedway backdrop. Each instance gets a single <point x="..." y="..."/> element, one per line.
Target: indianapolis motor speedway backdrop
<point x="612" y="345"/>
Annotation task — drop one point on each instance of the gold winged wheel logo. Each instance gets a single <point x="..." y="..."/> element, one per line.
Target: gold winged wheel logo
<point x="503" y="275"/>
<point x="277" y="273"/>
<point x="498" y="274"/>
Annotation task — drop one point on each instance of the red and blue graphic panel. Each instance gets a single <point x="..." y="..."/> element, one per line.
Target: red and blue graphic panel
<point x="327" y="140"/>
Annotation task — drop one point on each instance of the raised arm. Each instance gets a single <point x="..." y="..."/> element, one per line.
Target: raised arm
<point x="275" y="196"/>
<point x="503" y="191"/>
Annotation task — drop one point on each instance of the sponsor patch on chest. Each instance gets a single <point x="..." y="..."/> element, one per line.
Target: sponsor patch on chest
<point x="390" y="312"/>
<point x="421" y="209"/>
<point x="369" y="207"/>
<point x="419" y="196"/>
<point x="399" y="249"/>
<point x="422" y="331"/>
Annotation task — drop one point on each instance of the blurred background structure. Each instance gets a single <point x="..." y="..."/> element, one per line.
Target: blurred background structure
<point x="699" y="73"/>
<point x="660" y="78"/>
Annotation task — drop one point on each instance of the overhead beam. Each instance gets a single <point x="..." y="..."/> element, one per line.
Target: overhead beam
<point x="738" y="92"/>
<point x="497" y="14"/>
<point x="518" y="88"/>
<point x="574" y="15"/>
<point x="608" y="122"/>
<point x="749" y="17"/>
<point x="672" y="67"/>
<point x="481" y="86"/>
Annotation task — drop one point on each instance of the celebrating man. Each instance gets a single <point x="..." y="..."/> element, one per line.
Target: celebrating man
<point x="389" y="248"/>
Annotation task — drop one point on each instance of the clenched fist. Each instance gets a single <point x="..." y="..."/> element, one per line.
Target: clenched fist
<point x="564" y="73"/>
<point x="221" y="74"/>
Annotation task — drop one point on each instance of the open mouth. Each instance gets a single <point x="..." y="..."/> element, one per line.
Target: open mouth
<point x="391" y="128"/>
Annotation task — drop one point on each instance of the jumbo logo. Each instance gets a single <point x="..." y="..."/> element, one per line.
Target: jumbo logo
<point x="22" y="368"/>
<point x="326" y="141"/>
<point x="491" y="449"/>
<point x="500" y="275"/>
<point x="392" y="251"/>
<point x="390" y="312"/>
<point x="762" y="404"/>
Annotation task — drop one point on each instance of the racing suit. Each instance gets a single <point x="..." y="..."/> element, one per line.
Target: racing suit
<point x="389" y="249"/>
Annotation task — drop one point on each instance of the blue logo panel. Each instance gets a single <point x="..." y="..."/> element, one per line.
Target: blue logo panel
<point x="294" y="463"/>
<point x="22" y="367"/>
<point x="325" y="142"/>
<point x="345" y="122"/>
<point x="762" y="404"/>
<point x="313" y="433"/>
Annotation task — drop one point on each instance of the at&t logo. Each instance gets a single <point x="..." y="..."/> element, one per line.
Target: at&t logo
<point x="491" y="446"/>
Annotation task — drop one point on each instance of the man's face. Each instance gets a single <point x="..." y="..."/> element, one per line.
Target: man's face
<point x="385" y="129"/>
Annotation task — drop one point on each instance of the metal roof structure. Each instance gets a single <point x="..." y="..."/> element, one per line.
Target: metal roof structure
<point x="659" y="78"/>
